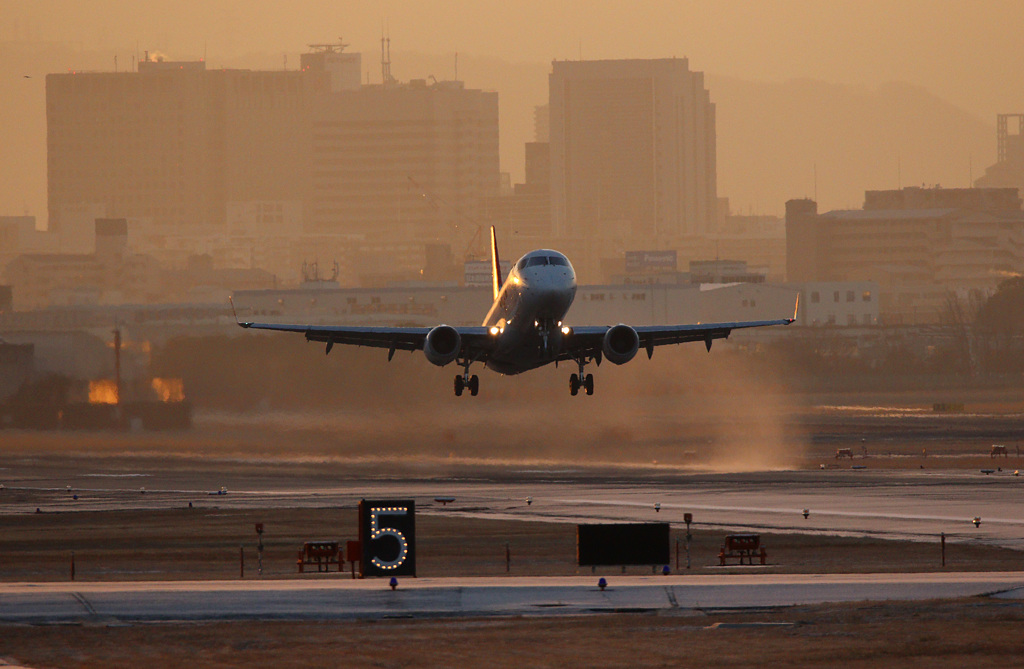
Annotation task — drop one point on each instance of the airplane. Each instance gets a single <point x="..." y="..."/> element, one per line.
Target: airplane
<point x="524" y="329"/>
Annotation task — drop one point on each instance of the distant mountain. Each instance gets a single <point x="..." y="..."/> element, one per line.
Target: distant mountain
<point x="771" y="136"/>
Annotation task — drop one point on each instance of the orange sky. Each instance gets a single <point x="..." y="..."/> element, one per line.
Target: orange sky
<point x="969" y="53"/>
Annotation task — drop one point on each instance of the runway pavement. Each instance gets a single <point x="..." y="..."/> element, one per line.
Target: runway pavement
<point x="893" y="504"/>
<point x="900" y="504"/>
<point x="338" y="598"/>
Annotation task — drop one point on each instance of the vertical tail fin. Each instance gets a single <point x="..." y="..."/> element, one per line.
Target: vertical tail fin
<point x="496" y="278"/>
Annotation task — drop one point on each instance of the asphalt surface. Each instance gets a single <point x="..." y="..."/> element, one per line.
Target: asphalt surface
<point x="894" y="504"/>
<point x="341" y="599"/>
<point x="900" y="504"/>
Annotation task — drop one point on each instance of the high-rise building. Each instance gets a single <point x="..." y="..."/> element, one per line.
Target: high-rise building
<point x="248" y="165"/>
<point x="632" y="149"/>
<point x="172" y="145"/>
<point x="403" y="161"/>
<point x="1008" y="170"/>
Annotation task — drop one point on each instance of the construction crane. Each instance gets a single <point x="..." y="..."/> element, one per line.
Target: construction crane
<point x="477" y="247"/>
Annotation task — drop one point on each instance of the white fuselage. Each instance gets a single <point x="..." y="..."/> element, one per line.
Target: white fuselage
<point x="528" y="312"/>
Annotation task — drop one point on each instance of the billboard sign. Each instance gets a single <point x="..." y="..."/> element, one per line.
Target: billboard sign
<point x="641" y="262"/>
<point x="622" y="544"/>
<point x="478" y="272"/>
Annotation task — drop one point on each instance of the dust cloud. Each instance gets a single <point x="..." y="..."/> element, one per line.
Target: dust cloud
<point x="683" y="409"/>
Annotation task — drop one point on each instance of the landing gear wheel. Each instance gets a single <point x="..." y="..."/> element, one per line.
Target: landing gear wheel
<point x="474" y="385"/>
<point x="588" y="383"/>
<point x="459" y="385"/>
<point x="574" y="385"/>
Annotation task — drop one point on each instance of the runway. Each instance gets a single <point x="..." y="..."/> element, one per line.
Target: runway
<point x="896" y="504"/>
<point x="339" y="598"/>
<point x="892" y="504"/>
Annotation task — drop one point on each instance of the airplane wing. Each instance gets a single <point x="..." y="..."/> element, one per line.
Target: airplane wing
<point x="475" y="340"/>
<point x="588" y="341"/>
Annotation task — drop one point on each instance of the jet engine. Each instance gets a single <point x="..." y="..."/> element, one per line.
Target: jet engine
<point x="620" y="344"/>
<point x="442" y="345"/>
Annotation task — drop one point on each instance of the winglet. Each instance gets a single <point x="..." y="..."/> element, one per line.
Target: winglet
<point x="496" y="278"/>
<point x="796" y="308"/>
<point x="231" y="301"/>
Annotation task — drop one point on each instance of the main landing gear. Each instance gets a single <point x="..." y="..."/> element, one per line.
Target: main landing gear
<point x="471" y="383"/>
<point x="464" y="381"/>
<point x="577" y="381"/>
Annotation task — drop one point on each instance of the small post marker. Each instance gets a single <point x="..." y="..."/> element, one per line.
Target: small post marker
<point x="665" y="570"/>
<point x="602" y="583"/>
<point x="529" y="501"/>
<point x="393" y="583"/>
<point x="687" y="518"/>
<point x="72" y="565"/>
<point x="977" y="521"/>
<point x="943" y="540"/>
<point x="259" y="549"/>
<point x="807" y="512"/>
<point x="657" y="507"/>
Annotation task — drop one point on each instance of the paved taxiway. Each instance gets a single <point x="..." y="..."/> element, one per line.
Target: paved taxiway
<point x="339" y="598"/>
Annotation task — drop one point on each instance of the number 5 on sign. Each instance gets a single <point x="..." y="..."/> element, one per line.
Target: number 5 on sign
<point x="387" y="532"/>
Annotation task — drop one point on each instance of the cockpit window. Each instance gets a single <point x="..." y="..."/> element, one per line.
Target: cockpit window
<point x="534" y="261"/>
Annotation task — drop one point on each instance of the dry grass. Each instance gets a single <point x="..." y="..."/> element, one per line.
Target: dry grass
<point x="967" y="633"/>
<point x="204" y="544"/>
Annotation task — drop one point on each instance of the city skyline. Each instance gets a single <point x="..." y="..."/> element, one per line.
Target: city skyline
<point x="736" y="44"/>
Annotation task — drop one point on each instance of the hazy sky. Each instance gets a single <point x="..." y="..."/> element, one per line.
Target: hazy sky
<point x="971" y="54"/>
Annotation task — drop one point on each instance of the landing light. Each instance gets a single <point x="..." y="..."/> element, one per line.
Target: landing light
<point x="515" y="280"/>
<point x="495" y="329"/>
<point x="566" y="330"/>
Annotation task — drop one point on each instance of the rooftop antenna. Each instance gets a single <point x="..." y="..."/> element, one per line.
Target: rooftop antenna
<point x="815" y="182"/>
<point x="385" y="60"/>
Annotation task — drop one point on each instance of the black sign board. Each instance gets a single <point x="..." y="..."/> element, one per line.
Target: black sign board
<point x="387" y="532"/>
<point x="622" y="544"/>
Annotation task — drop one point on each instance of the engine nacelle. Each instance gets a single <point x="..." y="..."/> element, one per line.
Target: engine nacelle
<point x="620" y="344"/>
<point x="442" y="345"/>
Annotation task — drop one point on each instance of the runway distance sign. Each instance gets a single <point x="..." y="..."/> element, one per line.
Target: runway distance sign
<point x="387" y="532"/>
